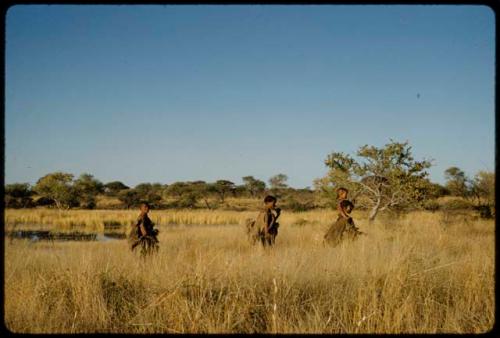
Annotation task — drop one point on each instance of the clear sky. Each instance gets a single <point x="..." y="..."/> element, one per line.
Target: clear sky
<point x="173" y="93"/>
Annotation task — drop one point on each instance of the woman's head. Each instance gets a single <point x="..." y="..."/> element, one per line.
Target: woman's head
<point x="270" y="201"/>
<point x="144" y="207"/>
<point x="342" y="193"/>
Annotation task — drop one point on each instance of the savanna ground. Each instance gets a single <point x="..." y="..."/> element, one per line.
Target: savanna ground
<point x="421" y="272"/>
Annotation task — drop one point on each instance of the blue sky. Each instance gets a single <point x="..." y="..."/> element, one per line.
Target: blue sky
<point x="173" y="93"/>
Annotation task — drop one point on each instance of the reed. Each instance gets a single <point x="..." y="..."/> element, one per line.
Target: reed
<point x="92" y="220"/>
<point x="418" y="273"/>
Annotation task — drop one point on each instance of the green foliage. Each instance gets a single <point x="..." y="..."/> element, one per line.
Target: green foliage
<point x="44" y="202"/>
<point x="483" y="189"/>
<point x="58" y="187"/>
<point x="377" y="179"/>
<point x="18" y="190"/>
<point x="387" y="177"/>
<point x="202" y="190"/>
<point x="222" y="188"/>
<point x="436" y="190"/>
<point x="113" y="188"/>
<point x="483" y="186"/>
<point x="18" y="195"/>
<point x="294" y="204"/>
<point x="485" y="211"/>
<point x="254" y="186"/>
<point x="87" y="188"/>
<point x="148" y="192"/>
<point x="456" y="182"/>
<point x="187" y="201"/>
<point x="187" y="194"/>
<point x="431" y="205"/>
<point x="177" y="189"/>
<point x="278" y="182"/>
<point x="297" y="199"/>
<point x="457" y="204"/>
<point x="129" y="197"/>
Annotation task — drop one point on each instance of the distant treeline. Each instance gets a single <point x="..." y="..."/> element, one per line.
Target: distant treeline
<point x="378" y="178"/>
<point x="62" y="190"/>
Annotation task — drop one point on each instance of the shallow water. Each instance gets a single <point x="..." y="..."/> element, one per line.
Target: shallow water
<point x="46" y="235"/>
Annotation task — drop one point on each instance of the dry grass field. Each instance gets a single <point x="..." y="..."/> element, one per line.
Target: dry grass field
<point x="418" y="273"/>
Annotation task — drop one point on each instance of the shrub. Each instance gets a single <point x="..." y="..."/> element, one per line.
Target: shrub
<point x="431" y="205"/>
<point x="457" y="204"/>
<point x="485" y="211"/>
<point x="294" y="205"/>
<point x="187" y="201"/>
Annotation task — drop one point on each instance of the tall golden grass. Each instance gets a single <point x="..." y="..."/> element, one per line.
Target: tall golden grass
<point x="418" y="273"/>
<point x="96" y="219"/>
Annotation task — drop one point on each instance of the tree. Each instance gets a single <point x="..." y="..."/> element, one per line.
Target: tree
<point x="129" y="197"/>
<point x="382" y="178"/>
<point x="176" y="189"/>
<point x="437" y="190"/>
<point x="222" y="187"/>
<point x="254" y="186"/>
<point x="143" y="188"/>
<point x="149" y="192"/>
<point x="87" y="188"/>
<point x="157" y="188"/>
<point x="113" y="188"/>
<point x="18" y="195"/>
<point x="483" y="187"/>
<point x="202" y="190"/>
<point x="58" y="187"/>
<point x="239" y="191"/>
<point x="278" y="182"/>
<point x="298" y="199"/>
<point x="456" y="182"/>
<point x="187" y="194"/>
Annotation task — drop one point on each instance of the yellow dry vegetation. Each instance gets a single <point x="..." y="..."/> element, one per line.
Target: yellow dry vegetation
<point x="416" y="273"/>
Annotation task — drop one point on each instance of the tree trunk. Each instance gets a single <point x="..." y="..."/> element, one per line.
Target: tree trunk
<point x="374" y="211"/>
<point x="58" y="204"/>
<point x="208" y="205"/>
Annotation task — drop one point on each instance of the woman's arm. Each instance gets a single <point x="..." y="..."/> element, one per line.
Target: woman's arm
<point x="140" y="224"/>
<point x="266" y="222"/>
<point x="278" y="213"/>
<point x="342" y="211"/>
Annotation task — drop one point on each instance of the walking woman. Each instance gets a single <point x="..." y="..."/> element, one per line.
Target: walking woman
<point x="143" y="234"/>
<point x="344" y="227"/>
<point x="265" y="226"/>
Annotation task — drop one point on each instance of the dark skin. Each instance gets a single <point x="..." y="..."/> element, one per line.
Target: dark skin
<point x="270" y="206"/>
<point x="342" y="211"/>
<point x="144" y="211"/>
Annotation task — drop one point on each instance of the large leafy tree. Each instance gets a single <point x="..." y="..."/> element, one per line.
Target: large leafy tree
<point x="176" y="189"/>
<point x="278" y="182"/>
<point x="129" y="197"/>
<point x="18" y="195"/>
<point x="58" y="187"/>
<point x="483" y="187"/>
<point x="457" y="182"/>
<point x="187" y="194"/>
<point x="253" y="185"/>
<point x="202" y="190"/>
<point x="222" y="188"/>
<point x="150" y="192"/>
<point x="88" y="188"/>
<point x="113" y="188"/>
<point x="278" y="185"/>
<point x="382" y="178"/>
